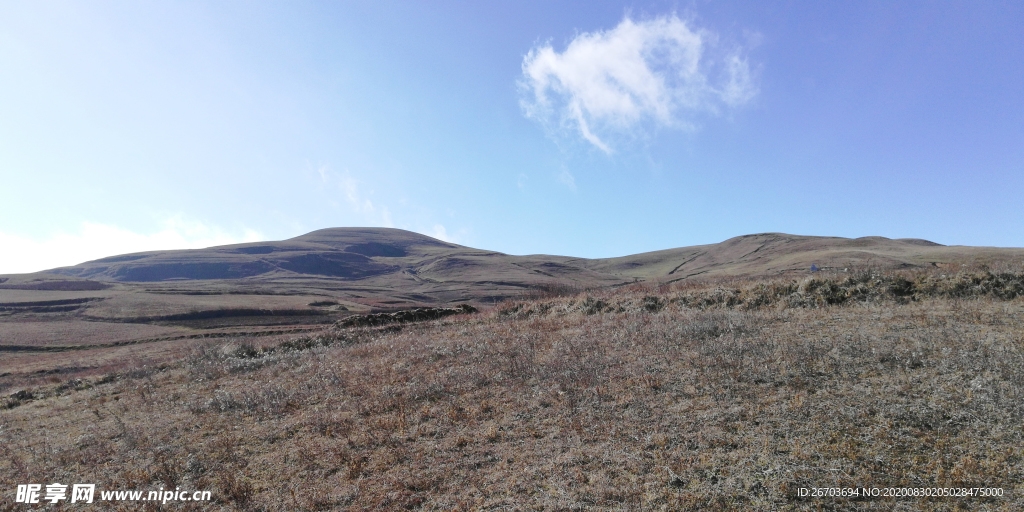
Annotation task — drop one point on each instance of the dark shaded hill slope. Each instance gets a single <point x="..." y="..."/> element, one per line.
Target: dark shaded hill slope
<point x="389" y="266"/>
<point x="390" y="261"/>
<point x="345" y="253"/>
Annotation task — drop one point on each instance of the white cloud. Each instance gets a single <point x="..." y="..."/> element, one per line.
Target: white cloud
<point x="358" y="201"/>
<point x="377" y="214"/>
<point x="385" y="218"/>
<point x="567" y="179"/>
<point x="93" y="241"/>
<point x="738" y="88"/>
<point x="350" y="187"/>
<point x="660" y="72"/>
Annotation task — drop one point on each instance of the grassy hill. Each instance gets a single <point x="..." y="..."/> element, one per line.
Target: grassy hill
<point x="147" y="306"/>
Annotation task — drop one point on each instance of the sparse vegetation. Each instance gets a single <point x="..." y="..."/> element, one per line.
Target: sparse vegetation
<point x="720" y="396"/>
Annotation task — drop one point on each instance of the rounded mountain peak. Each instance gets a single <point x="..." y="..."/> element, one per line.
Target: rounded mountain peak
<point x="345" y="237"/>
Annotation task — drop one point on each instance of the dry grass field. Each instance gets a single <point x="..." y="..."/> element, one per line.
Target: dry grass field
<point x="49" y="333"/>
<point x="715" y="396"/>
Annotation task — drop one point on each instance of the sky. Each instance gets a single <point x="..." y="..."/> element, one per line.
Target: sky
<point x="591" y="129"/>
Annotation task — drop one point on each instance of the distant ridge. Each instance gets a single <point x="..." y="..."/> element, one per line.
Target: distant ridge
<point x="339" y="252"/>
<point x="405" y="267"/>
<point x="781" y="253"/>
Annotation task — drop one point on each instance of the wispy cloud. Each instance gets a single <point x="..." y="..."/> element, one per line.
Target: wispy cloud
<point x="567" y="179"/>
<point x="350" y="188"/>
<point x="357" y="199"/>
<point x="93" y="241"/>
<point x="661" y="72"/>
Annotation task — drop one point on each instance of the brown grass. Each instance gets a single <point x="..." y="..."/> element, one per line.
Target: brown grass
<point x="713" y="397"/>
<point x="77" y="332"/>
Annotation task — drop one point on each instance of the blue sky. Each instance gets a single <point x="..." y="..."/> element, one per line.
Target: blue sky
<point x="590" y="129"/>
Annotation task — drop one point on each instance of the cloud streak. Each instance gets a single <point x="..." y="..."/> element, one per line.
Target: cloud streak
<point x="612" y="84"/>
<point x="354" y="195"/>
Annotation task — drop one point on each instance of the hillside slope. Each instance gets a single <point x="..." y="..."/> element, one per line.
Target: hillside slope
<point x="620" y="399"/>
<point x="381" y="267"/>
<point x="772" y="254"/>
<point x="104" y="309"/>
<point x="403" y="258"/>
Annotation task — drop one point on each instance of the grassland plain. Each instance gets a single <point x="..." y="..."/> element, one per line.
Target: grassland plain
<point x="727" y="395"/>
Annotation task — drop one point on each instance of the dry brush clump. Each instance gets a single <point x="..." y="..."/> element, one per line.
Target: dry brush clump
<point x="671" y="399"/>
<point x="864" y="286"/>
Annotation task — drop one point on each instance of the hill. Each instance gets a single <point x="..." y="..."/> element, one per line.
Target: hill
<point x="153" y="303"/>
<point x="278" y="375"/>
<point x="349" y="270"/>
<point x="775" y="254"/>
<point x="405" y="260"/>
